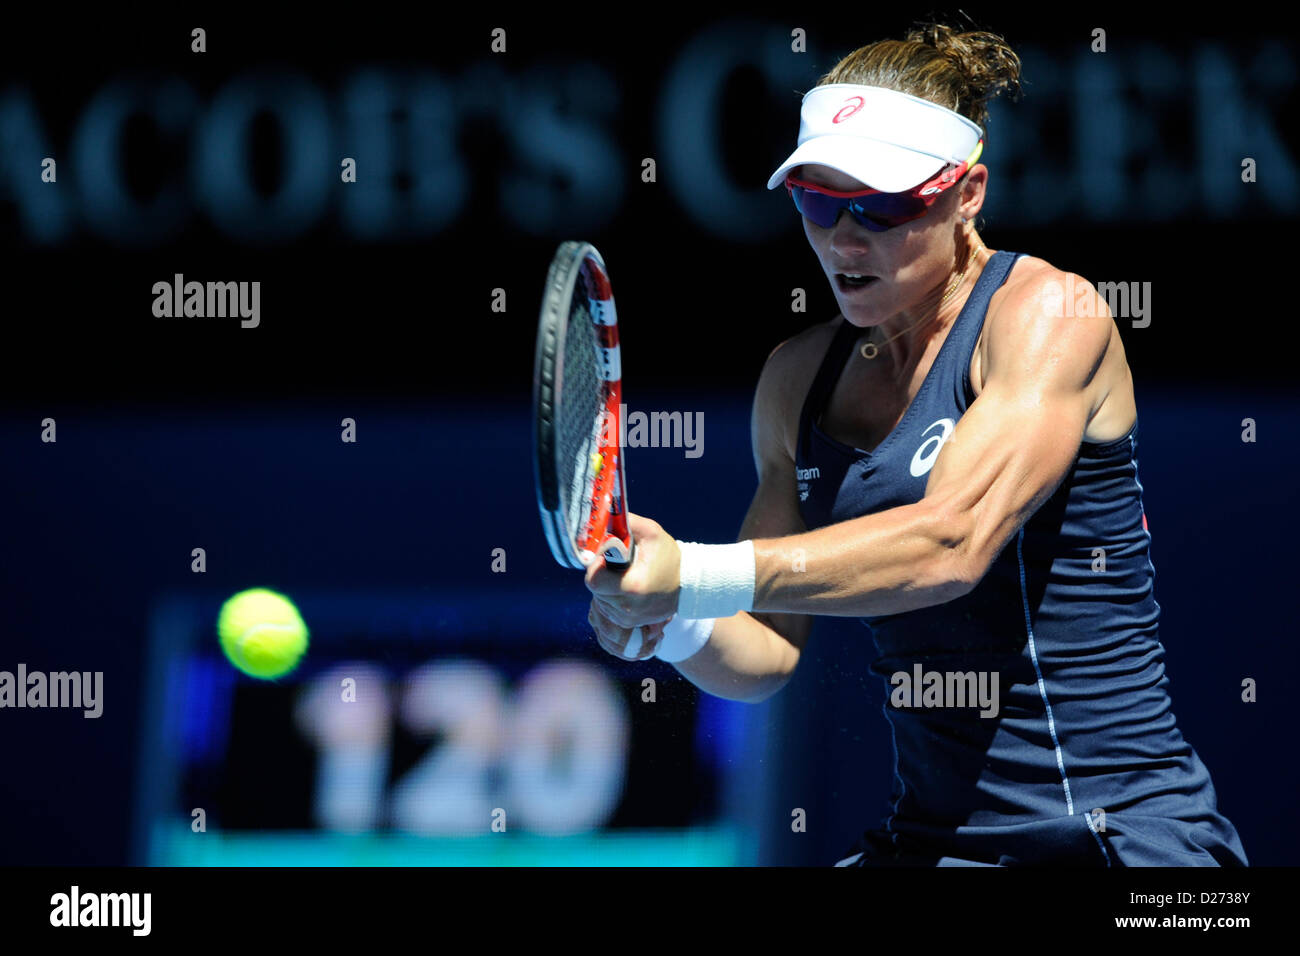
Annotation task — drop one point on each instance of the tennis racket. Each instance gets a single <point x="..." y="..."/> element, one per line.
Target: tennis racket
<point x="577" y="393"/>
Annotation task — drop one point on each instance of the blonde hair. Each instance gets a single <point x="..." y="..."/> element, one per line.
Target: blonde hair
<point x="961" y="71"/>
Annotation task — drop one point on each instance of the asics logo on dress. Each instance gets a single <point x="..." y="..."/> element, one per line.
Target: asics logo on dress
<point x="925" y="455"/>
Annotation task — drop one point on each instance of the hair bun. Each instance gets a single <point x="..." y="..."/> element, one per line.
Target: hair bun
<point x="987" y="64"/>
<point x="959" y="70"/>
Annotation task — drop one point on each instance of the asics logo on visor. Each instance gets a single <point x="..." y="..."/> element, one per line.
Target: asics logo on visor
<point x="848" y="111"/>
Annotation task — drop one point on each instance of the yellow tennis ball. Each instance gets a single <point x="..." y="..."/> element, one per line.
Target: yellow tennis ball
<point x="262" y="633"/>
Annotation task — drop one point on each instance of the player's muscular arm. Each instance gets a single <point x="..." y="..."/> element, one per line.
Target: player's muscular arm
<point x="1004" y="458"/>
<point x="750" y="657"/>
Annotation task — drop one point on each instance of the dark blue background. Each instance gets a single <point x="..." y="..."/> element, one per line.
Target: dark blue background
<point x="176" y="434"/>
<point x="102" y="523"/>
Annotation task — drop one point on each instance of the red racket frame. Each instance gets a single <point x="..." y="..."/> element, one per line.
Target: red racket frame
<point x="605" y="530"/>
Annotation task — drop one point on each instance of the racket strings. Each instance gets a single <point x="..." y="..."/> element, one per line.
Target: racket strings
<point x="579" y="416"/>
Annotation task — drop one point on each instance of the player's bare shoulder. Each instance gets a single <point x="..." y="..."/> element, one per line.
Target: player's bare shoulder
<point x="783" y="385"/>
<point x="1058" y="318"/>
<point x="1040" y="304"/>
<point x="1039" y="293"/>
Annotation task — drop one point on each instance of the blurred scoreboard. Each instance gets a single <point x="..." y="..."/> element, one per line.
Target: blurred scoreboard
<point x="432" y="729"/>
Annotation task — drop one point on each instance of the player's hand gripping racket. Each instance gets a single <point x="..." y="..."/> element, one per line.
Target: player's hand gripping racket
<point x="577" y="391"/>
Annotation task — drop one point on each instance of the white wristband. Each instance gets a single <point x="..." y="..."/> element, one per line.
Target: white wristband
<point x="717" y="580"/>
<point x="683" y="638"/>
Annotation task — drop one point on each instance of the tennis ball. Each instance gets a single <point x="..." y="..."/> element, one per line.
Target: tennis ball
<point x="262" y="633"/>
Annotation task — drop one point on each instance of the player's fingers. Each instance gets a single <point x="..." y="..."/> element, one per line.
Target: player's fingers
<point x="602" y="632"/>
<point x="612" y="638"/>
<point x="632" y="650"/>
<point x="622" y="618"/>
<point x="613" y="612"/>
<point x="601" y="580"/>
<point x="635" y="643"/>
<point x="652" y="635"/>
<point x="642" y="641"/>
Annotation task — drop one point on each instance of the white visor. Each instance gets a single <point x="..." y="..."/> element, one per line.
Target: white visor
<point x="889" y="140"/>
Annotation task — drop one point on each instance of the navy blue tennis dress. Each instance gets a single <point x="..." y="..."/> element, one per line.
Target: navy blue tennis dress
<point x="1082" y="763"/>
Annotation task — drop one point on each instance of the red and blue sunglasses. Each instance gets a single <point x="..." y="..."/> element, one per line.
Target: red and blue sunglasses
<point x="872" y="209"/>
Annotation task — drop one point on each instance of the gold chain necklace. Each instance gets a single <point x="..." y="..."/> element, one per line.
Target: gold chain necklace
<point x="870" y="350"/>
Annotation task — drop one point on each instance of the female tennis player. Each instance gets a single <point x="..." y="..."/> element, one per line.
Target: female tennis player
<point x="952" y="459"/>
